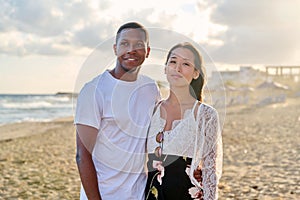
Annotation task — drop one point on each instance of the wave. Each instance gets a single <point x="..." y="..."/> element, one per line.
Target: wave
<point x="35" y="102"/>
<point x="34" y="105"/>
<point x="19" y="108"/>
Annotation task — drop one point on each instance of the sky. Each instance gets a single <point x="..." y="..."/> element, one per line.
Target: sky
<point x="47" y="45"/>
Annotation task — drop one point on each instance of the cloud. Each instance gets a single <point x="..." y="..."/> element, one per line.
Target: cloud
<point x="259" y="32"/>
<point x="20" y="23"/>
<point x="35" y="17"/>
<point x="60" y="27"/>
<point x="50" y="24"/>
<point x="232" y="32"/>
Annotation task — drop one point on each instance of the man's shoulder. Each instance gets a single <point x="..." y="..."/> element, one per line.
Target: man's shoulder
<point x="95" y="81"/>
<point x="93" y="85"/>
<point x="146" y="79"/>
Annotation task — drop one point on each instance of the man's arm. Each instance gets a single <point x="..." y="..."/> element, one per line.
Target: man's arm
<point x="85" y="141"/>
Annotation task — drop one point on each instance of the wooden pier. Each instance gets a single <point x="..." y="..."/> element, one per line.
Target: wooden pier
<point x="283" y="70"/>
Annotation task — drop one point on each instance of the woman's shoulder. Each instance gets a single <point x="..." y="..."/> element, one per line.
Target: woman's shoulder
<point x="206" y="110"/>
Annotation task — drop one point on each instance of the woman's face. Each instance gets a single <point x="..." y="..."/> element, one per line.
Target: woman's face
<point x="180" y="68"/>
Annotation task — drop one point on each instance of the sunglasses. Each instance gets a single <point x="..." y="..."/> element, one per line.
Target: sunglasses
<point x="159" y="139"/>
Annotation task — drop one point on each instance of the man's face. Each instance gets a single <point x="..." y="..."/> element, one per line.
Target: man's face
<point x="131" y="48"/>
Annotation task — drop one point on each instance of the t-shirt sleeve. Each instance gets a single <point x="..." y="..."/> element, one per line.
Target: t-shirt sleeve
<point x="88" y="109"/>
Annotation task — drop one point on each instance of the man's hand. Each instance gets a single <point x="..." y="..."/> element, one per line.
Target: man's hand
<point x="198" y="174"/>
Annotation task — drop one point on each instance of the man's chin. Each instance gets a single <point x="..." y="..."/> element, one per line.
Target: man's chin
<point x="131" y="69"/>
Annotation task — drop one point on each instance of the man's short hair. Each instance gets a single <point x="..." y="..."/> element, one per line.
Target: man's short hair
<point x="133" y="25"/>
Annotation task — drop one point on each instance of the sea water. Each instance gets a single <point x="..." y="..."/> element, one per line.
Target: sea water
<point x="27" y="107"/>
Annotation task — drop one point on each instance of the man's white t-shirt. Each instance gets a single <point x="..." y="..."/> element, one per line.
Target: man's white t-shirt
<point x="121" y="111"/>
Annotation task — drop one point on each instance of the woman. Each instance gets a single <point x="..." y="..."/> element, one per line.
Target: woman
<point x="184" y="134"/>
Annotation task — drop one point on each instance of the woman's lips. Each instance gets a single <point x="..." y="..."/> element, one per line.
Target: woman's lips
<point x="176" y="76"/>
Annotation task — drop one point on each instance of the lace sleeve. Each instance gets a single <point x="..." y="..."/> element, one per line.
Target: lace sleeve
<point x="211" y="162"/>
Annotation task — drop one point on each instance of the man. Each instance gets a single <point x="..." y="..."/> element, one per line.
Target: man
<point x="112" y="117"/>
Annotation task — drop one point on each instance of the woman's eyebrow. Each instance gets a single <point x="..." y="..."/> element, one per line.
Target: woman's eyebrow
<point x="176" y="55"/>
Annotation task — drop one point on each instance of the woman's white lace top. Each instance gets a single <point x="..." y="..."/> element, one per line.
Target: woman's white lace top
<point x="198" y="138"/>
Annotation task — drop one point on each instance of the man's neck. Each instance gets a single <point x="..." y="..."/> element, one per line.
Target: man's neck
<point x="121" y="74"/>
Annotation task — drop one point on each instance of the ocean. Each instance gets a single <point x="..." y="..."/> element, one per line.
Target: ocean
<point x="27" y="107"/>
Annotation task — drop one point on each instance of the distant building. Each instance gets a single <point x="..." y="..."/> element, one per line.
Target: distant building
<point x="246" y="75"/>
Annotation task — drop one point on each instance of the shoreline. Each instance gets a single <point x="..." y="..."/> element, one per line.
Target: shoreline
<point x="13" y="130"/>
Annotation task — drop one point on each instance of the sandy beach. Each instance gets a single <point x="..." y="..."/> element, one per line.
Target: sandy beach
<point x="40" y="165"/>
<point x="261" y="156"/>
<point x="261" y="152"/>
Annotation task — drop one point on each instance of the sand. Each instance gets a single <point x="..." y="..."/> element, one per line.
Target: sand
<point x="261" y="152"/>
<point x="261" y="156"/>
<point x="41" y="165"/>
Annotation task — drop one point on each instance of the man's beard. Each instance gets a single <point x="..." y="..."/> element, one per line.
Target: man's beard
<point x="130" y="70"/>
